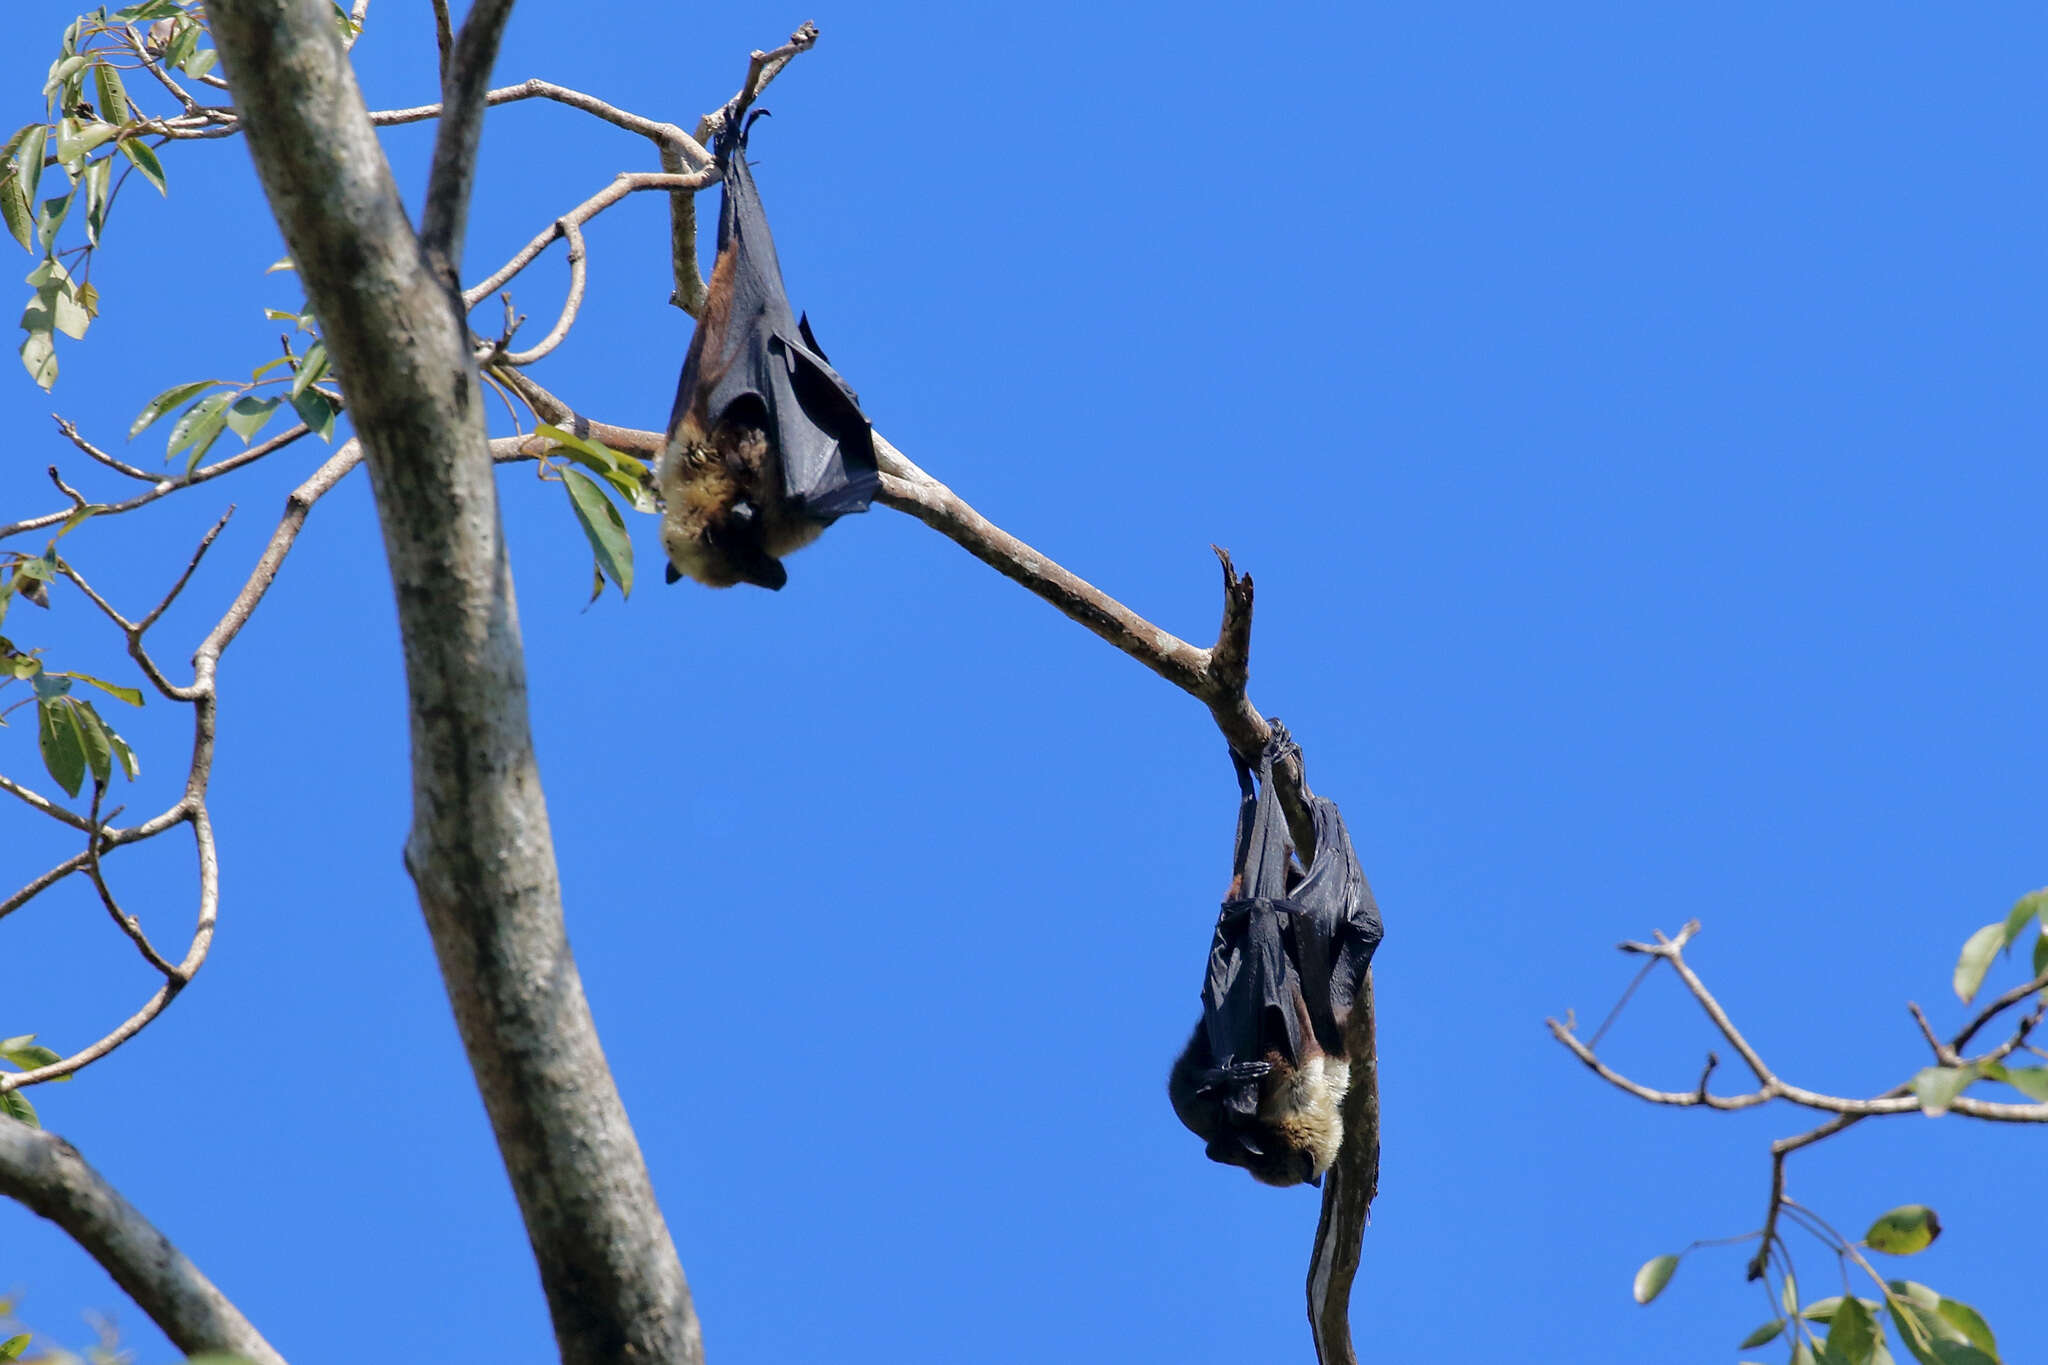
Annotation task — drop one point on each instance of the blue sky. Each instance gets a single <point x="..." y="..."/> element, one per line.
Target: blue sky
<point x="1632" y="420"/>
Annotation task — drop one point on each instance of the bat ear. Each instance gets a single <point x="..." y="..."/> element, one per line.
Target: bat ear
<point x="672" y="574"/>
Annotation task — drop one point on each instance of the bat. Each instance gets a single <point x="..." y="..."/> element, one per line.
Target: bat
<point x="766" y="445"/>
<point x="1263" y="1078"/>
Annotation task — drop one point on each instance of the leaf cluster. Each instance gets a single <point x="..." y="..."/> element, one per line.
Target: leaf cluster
<point x="92" y="136"/>
<point x="1932" y="1328"/>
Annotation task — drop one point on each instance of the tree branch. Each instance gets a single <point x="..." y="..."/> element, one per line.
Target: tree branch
<point x="47" y="1174"/>
<point x="465" y="76"/>
<point x="479" y="851"/>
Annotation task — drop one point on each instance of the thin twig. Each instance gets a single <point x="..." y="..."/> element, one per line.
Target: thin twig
<point x="127" y="923"/>
<point x="205" y="542"/>
<point x="625" y="183"/>
<point x="665" y="135"/>
<point x="1943" y="1053"/>
<point x="165" y="487"/>
<point x="92" y="451"/>
<point x="571" y="305"/>
<point x="465" y="80"/>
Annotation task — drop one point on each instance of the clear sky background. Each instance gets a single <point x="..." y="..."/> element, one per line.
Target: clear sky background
<point x="1633" y="422"/>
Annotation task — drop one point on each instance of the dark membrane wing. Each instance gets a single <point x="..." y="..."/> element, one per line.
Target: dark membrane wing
<point x="1247" y="999"/>
<point x="1318" y="938"/>
<point x="824" y="440"/>
<point x="828" y="448"/>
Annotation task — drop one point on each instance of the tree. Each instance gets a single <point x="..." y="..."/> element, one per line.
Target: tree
<point x="390" y="312"/>
<point x="562" y="453"/>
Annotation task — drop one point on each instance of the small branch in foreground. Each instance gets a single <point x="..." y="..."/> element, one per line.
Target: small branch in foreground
<point x="47" y="1174"/>
<point x="1844" y="1112"/>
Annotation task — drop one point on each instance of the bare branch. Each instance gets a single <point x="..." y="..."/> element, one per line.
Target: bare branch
<point x="43" y="804"/>
<point x="444" y="43"/>
<point x="570" y="306"/>
<point x="205" y="542"/>
<point x="1943" y="1053"/>
<point x="1996" y="1008"/>
<point x="465" y="78"/>
<point x="92" y="451"/>
<point x="1349" y="1189"/>
<point x="1681" y="1098"/>
<point x="668" y="136"/>
<point x="127" y="923"/>
<point x="47" y="1174"/>
<point x="166" y="486"/>
<point x="762" y="67"/>
<point x="47" y="879"/>
<point x="622" y="185"/>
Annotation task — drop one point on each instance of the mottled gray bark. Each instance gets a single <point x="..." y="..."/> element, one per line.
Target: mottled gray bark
<point x="480" y="852"/>
<point x="48" y="1175"/>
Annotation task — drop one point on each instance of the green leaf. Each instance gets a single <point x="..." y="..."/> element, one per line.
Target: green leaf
<point x="1936" y="1087"/>
<point x="89" y="298"/>
<point x="14" y="208"/>
<point x="1788" y="1296"/>
<point x="1852" y="1336"/>
<point x="1768" y="1332"/>
<point x="201" y="62"/>
<point x="317" y="411"/>
<point x="131" y="695"/>
<point x="312" y="367"/>
<point x="28" y="163"/>
<point x="248" y="413"/>
<point x="1905" y="1230"/>
<point x="64" y="69"/>
<point x="2031" y="1081"/>
<point x="96" y="178"/>
<point x="2041" y="953"/>
<point x="1823" y="1310"/>
<point x="198" y="425"/>
<point x="2032" y="906"/>
<point x="76" y="141"/>
<point x="52" y="306"/>
<point x="99" y="751"/>
<point x="604" y="527"/>
<point x="39" y="358"/>
<point x="1654" y="1275"/>
<point x="62" y="747"/>
<point x="15" y="139"/>
<point x="145" y="161"/>
<point x="12" y="1348"/>
<point x="1967" y="1320"/>
<point x="15" y="1105"/>
<point x="184" y="42"/>
<point x="28" y="1056"/>
<point x="114" y="105"/>
<point x="125" y="756"/>
<point x="148" y="9"/>
<point x="172" y="397"/>
<point x="19" y="1040"/>
<point x="623" y="472"/>
<point x="1978" y="951"/>
<point x="50" y="218"/>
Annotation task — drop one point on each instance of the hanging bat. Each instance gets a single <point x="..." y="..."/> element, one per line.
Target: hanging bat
<point x="766" y="444"/>
<point x="1262" y="1081"/>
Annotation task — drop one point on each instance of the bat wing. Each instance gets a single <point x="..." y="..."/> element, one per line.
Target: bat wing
<point x="765" y="357"/>
<point x="1316" y="939"/>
